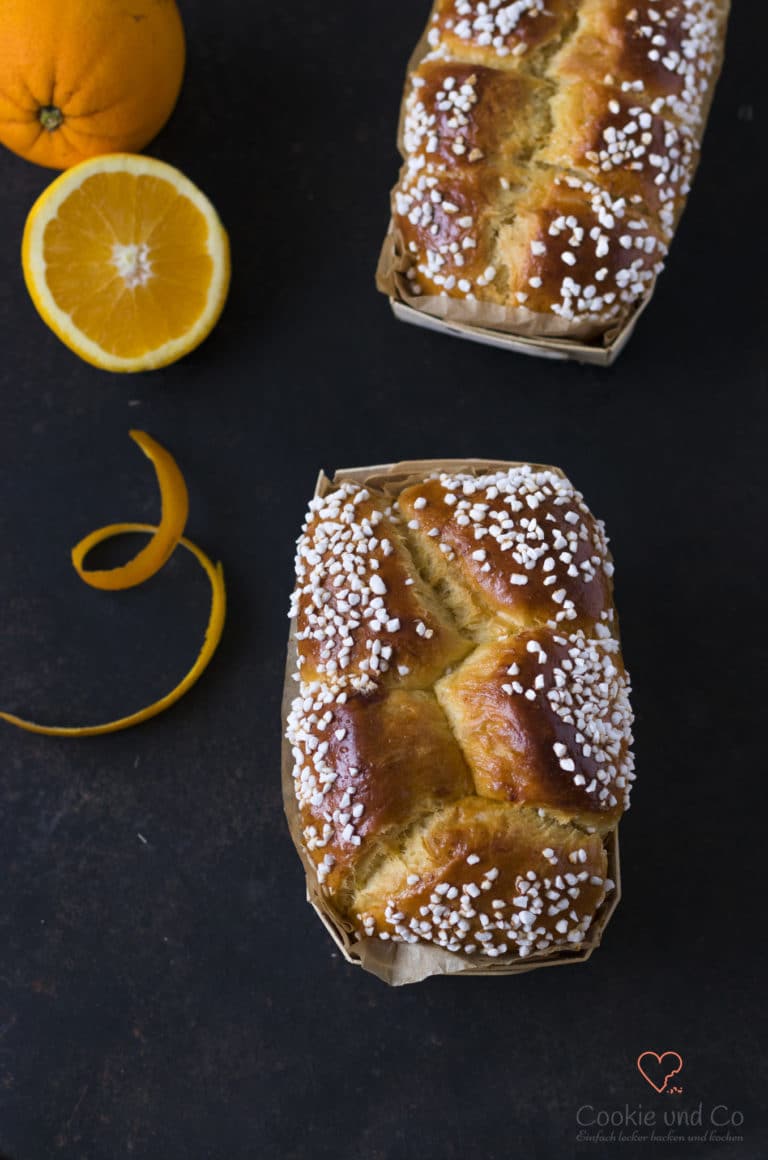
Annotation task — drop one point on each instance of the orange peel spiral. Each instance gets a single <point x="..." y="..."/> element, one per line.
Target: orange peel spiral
<point x="174" y="511"/>
<point x="164" y="539"/>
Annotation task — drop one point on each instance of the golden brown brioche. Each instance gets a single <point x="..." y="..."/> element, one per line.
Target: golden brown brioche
<point x="478" y="224"/>
<point x="498" y="32"/>
<point x="520" y="547"/>
<point x="482" y="877"/>
<point x="363" y="613"/>
<point x="355" y="800"/>
<point x="549" y="149"/>
<point x="543" y="719"/>
<point x="666" y="55"/>
<point x="463" y="158"/>
<point x="641" y="156"/>
<point x="457" y="115"/>
<point x="493" y="761"/>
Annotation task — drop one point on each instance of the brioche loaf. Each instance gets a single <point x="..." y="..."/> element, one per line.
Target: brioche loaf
<point x="549" y="148"/>
<point x="461" y="731"/>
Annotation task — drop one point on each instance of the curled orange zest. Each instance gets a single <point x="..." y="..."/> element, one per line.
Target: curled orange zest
<point x="212" y="637"/>
<point x="146" y="563"/>
<point x="174" y="500"/>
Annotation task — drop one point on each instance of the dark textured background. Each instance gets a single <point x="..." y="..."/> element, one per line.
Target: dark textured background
<point x="177" y="999"/>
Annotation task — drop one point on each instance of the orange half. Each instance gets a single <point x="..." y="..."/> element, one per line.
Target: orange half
<point x="126" y="261"/>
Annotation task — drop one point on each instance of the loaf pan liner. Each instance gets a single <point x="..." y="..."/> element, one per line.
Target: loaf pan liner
<point x="401" y="963"/>
<point x="509" y="328"/>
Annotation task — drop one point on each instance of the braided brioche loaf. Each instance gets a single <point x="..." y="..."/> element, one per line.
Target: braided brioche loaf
<point x="461" y="734"/>
<point x="549" y="148"/>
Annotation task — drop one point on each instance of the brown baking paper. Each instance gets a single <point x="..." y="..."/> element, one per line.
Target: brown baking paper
<point x="400" y="963"/>
<point x="511" y="328"/>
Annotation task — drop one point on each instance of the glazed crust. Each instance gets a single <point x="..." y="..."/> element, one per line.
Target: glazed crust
<point x="498" y="34"/>
<point x="371" y="742"/>
<point x="483" y="878"/>
<point x="526" y="551"/>
<point x="502" y="755"/>
<point x="353" y="571"/>
<point x="549" y="150"/>
<point x="666" y="54"/>
<point x="533" y="735"/>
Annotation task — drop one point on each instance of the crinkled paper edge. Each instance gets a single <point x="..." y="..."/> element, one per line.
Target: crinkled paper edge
<point x="400" y="963"/>
<point x="509" y="328"/>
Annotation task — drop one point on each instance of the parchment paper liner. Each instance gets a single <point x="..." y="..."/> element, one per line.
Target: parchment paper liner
<point x="511" y="328"/>
<point x="400" y="963"/>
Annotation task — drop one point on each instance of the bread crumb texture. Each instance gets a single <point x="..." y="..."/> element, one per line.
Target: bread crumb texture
<point x="461" y="735"/>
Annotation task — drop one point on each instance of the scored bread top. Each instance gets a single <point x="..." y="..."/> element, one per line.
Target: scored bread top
<point x="468" y="709"/>
<point x="647" y="159"/>
<point x="364" y="615"/>
<point x="553" y="726"/>
<point x="549" y="149"/>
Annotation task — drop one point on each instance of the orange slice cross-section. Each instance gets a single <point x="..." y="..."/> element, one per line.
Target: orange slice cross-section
<point x="127" y="262"/>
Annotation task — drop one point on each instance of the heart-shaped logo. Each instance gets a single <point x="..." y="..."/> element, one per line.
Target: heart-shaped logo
<point x="653" y="1067"/>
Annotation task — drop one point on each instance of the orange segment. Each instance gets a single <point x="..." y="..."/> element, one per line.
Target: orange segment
<point x="127" y="262"/>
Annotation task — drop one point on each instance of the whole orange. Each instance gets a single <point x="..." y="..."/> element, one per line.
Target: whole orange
<point x="84" y="77"/>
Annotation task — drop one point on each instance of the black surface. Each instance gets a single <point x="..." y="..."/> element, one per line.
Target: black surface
<point x="175" y="997"/>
